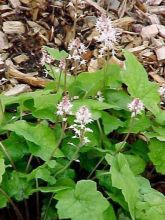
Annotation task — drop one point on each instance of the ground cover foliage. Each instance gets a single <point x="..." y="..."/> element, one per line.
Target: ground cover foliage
<point x="84" y="167"/>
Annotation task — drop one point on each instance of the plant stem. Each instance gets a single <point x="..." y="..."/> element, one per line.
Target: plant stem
<point x="59" y="80"/>
<point x="37" y="201"/>
<point x="28" y="163"/>
<point x="47" y="208"/>
<point x="70" y="162"/>
<point x="7" y="155"/>
<point x="17" y="212"/>
<point x="100" y="131"/>
<point x="94" y="169"/>
<point x="58" y="144"/>
<point x="126" y="137"/>
<point x="65" y="78"/>
<point x="52" y="70"/>
<point x="1" y="113"/>
<point x="27" y="210"/>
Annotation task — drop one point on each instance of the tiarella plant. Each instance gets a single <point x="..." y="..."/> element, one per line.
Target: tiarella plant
<point x="83" y="147"/>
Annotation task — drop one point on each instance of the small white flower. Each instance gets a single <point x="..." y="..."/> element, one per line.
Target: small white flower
<point x="107" y="33"/>
<point x="99" y="96"/>
<point x="77" y="49"/>
<point x="83" y="116"/>
<point x="83" y="62"/>
<point x="64" y="107"/>
<point x="162" y="91"/>
<point x="46" y="58"/>
<point x="62" y="64"/>
<point x="136" y="107"/>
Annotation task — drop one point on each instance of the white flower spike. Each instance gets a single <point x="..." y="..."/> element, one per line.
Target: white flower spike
<point x="64" y="107"/>
<point x="136" y="107"/>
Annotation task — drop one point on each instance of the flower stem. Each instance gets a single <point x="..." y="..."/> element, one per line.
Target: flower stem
<point x="28" y="163"/>
<point x="126" y="137"/>
<point x="59" y="80"/>
<point x="47" y="208"/>
<point x="94" y="169"/>
<point x="70" y="162"/>
<point x="37" y="201"/>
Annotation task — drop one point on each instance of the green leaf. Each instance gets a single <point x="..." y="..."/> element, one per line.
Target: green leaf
<point x="113" y="77"/>
<point x="41" y="135"/>
<point x="151" y="203"/>
<point x="157" y="154"/>
<point x="136" y="163"/>
<point x="122" y="177"/>
<point x="109" y="214"/>
<point x="41" y="172"/>
<point x="139" y="124"/>
<point x="118" y="98"/>
<point x="3" y="201"/>
<point x="110" y="123"/>
<point x="55" y="53"/>
<point x="16" y="146"/>
<point x="16" y="185"/>
<point x="91" y="104"/>
<point x="2" y="169"/>
<point x="81" y="202"/>
<point x="135" y="77"/>
<point x="87" y="83"/>
<point x="114" y="193"/>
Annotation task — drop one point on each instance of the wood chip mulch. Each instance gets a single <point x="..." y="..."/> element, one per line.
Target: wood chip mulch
<point x="27" y="25"/>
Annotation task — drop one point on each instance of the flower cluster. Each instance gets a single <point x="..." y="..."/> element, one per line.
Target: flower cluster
<point x="107" y="33"/>
<point x="99" y="96"/>
<point x="83" y="117"/>
<point x="46" y="58"/>
<point x="136" y="107"/>
<point x="77" y="49"/>
<point x="64" y="108"/>
<point x="62" y="64"/>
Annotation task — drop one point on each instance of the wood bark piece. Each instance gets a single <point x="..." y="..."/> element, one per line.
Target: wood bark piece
<point x="160" y="53"/>
<point x="22" y="77"/>
<point x="156" y="2"/>
<point x="154" y="19"/>
<point x="15" y="3"/>
<point x="149" y="31"/>
<point x="4" y="8"/>
<point x="137" y="49"/>
<point x="21" y="58"/>
<point x="18" y="89"/>
<point x="157" y="9"/>
<point x="123" y="22"/>
<point x="13" y="27"/>
<point x="4" y="44"/>
<point x="157" y="78"/>
<point x="161" y="29"/>
<point x="95" y="5"/>
<point x="159" y="48"/>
